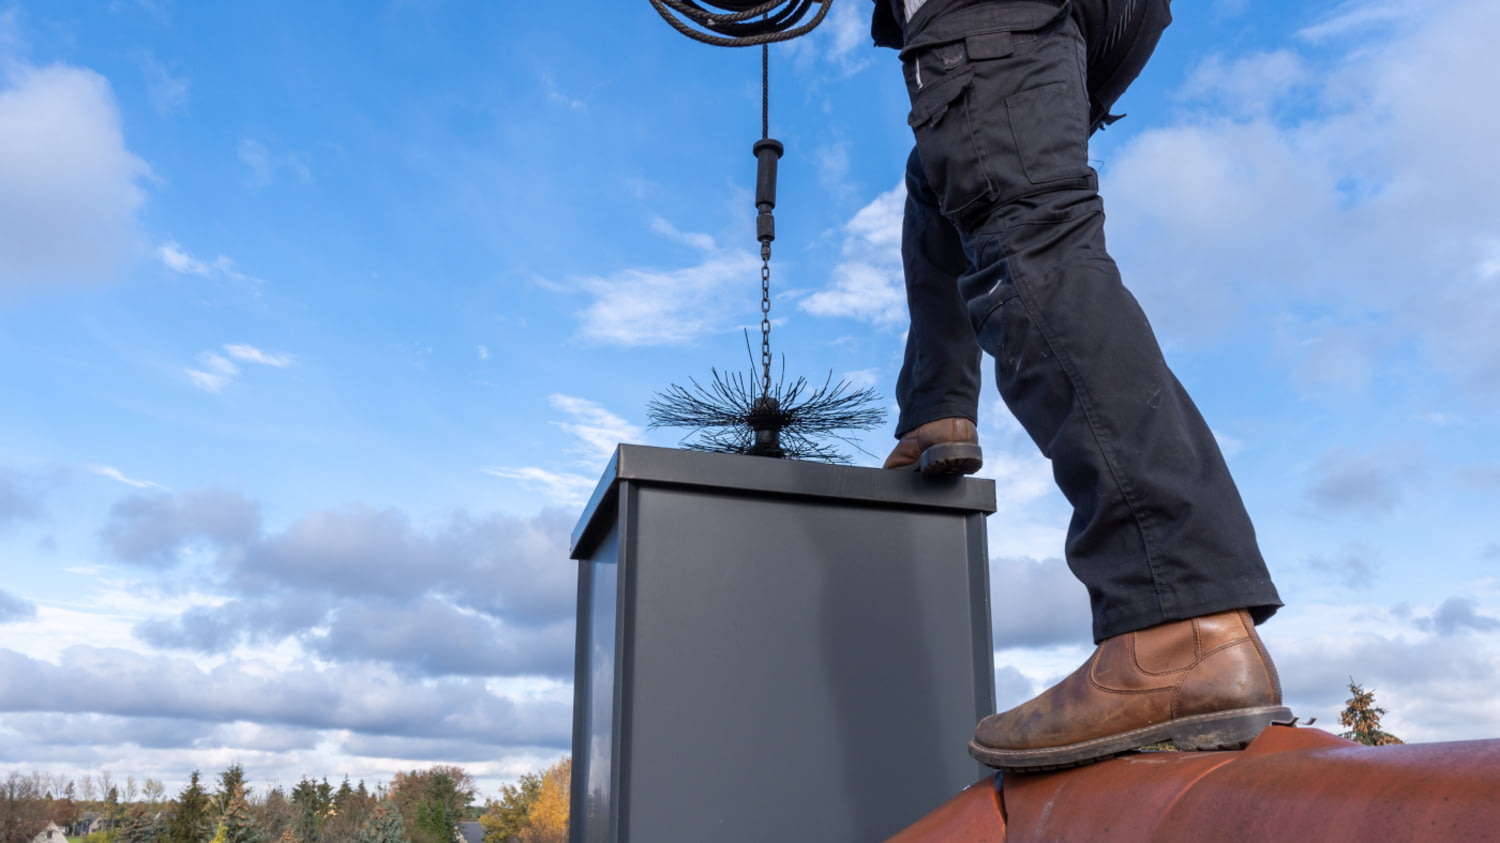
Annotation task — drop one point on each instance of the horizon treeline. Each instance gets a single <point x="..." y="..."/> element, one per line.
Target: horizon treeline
<point x="420" y="806"/>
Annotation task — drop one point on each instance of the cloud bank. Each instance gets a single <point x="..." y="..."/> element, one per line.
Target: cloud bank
<point x="69" y="188"/>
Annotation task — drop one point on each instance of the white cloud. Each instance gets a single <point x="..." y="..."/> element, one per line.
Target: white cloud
<point x="1011" y="687"/>
<point x="483" y="351"/>
<point x="839" y="41"/>
<point x="833" y="169"/>
<point x="265" y="165"/>
<point x="599" y="429"/>
<point x="1370" y="483"/>
<point x="1489" y="265"/>
<point x="1351" y="185"/>
<point x="864" y="378"/>
<point x="1228" y="445"/>
<point x="253" y="155"/>
<point x="217" y="372"/>
<point x="167" y="93"/>
<point x="696" y="240"/>
<point x="849" y="27"/>
<point x="1357" y="14"/>
<point x="1326" y="352"/>
<point x="114" y="474"/>
<point x="1435" y="667"/>
<point x="642" y="307"/>
<point x="68" y="185"/>
<point x="867" y="284"/>
<point x="1354" y="566"/>
<point x="1439" y="680"/>
<point x="556" y="96"/>
<point x="371" y="700"/>
<point x="251" y="354"/>
<point x="178" y="260"/>
<point x="494" y="577"/>
<point x="559" y="487"/>
<point x="1022" y="475"/>
<point x="1037" y="603"/>
<point x="14" y="608"/>
<point x="151" y="529"/>
<point x="1024" y="668"/>
<point x="1247" y="85"/>
<point x="97" y="611"/>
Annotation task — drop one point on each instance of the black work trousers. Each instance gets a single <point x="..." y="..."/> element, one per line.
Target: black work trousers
<point x="1003" y="246"/>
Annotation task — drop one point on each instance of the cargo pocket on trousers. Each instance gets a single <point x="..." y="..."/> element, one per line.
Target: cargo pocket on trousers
<point x="1051" y="134"/>
<point x="945" y="142"/>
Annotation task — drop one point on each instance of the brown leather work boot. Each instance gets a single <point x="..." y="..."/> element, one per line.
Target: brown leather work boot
<point x="942" y="447"/>
<point x="1205" y="683"/>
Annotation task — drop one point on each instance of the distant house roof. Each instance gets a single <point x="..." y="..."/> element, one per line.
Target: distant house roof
<point x="50" y="834"/>
<point x="471" y="832"/>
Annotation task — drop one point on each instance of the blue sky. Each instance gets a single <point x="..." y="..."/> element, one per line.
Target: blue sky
<point x="319" y="321"/>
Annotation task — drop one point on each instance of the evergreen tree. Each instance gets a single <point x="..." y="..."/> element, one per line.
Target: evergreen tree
<point x="383" y="826"/>
<point x="435" y="822"/>
<point x="325" y="796"/>
<point x="237" y="825"/>
<point x="311" y="812"/>
<point x="139" y="828"/>
<point x="192" y="821"/>
<point x="350" y="809"/>
<point x="1362" y="716"/>
<point x="231" y="783"/>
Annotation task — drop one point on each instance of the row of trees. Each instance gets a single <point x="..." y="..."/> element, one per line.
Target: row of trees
<point x="534" y="810"/>
<point x="417" y="807"/>
<point x="68" y="803"/>
<point x="420" y="806"/>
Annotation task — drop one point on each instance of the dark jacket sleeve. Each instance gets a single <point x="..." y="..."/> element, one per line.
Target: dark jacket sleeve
<point x="883" y="26"/>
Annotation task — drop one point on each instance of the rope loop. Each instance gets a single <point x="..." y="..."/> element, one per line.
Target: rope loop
<point x="742" y="23"/>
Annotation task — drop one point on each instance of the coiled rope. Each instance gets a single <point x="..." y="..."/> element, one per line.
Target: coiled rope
<point x="742" y="23"/>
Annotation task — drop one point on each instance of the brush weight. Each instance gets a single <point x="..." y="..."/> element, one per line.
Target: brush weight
<point x="767" y="153"/>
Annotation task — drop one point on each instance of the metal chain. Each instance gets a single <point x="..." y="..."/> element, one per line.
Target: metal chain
<point x="765" y="245"/>
<point x="765" y="319"/>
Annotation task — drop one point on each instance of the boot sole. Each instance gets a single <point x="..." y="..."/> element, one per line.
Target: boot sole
<point x="1219" y="730"/>
<point x="950" y="458"/>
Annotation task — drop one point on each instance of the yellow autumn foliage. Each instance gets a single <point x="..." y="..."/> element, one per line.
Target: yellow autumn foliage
<point x="549" y="815"/>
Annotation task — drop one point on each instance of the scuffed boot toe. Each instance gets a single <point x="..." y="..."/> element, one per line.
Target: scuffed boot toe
<point x="1204" y="683"/>
<point x="943" y="447"/>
